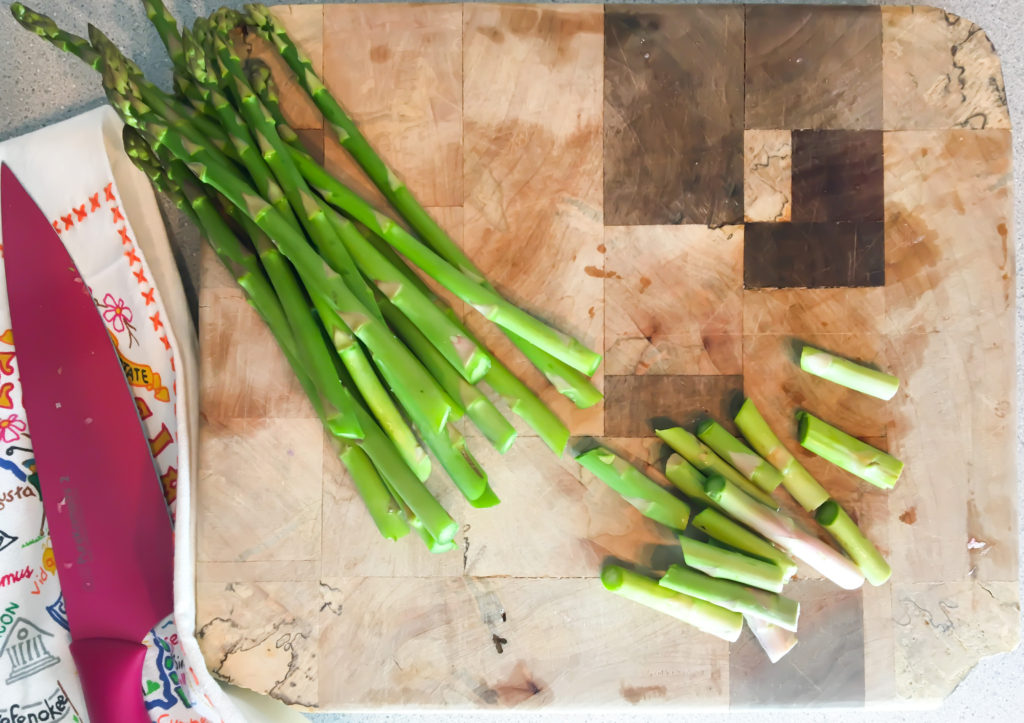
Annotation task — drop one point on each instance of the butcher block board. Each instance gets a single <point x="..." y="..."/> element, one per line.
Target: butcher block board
<point x="694" y="191"/>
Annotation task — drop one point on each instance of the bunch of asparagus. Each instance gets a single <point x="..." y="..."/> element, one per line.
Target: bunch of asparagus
<point x="387" y="366"/>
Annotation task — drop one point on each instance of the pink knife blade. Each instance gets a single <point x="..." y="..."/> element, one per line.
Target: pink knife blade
<point x="111" y="531"/>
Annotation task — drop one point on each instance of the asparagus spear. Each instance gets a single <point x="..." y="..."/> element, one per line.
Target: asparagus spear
<point x="782" y="531"/>
<point x="653" y="500"/>
<point x="705" y="460"/>
<point x="739" y="455"/>
<point x="167" y="27"/>
<point x="856" y="457"/>
<point x="729" y="565"/>
<point x="47" y="29"/>
<point x="703" y="615"/>
<point x="847" y="373"/>
<point x="845" y="531"/>
<point x="687" y="479"/>
<point x="774" y="608"/>
<point x="776" y="641"/>
<point x="464" y="281"/>
<point x="797" y="480"/>
<point x="721" y="528"/>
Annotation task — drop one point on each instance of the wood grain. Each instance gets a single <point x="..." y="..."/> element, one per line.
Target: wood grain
<point x="669" y="160"/>
<point x="813" y="67"/>
<point x="399" y="69"/>
<point x="498" y="117"/>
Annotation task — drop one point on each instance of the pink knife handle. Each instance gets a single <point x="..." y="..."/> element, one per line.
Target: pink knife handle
<point x="111" y="674"/>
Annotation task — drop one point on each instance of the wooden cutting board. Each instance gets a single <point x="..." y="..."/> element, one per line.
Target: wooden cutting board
<point x="693" y="190"/>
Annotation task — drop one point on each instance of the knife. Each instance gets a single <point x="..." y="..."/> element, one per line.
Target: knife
<point x="109" y="524"/>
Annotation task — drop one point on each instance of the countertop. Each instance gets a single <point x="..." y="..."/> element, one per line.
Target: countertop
<point x="43" y="86"/>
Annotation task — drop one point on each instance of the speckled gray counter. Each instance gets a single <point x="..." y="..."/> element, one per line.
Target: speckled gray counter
<point x="40" y="85"/>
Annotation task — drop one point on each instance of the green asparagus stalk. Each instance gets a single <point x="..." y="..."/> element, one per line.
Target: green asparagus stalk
<point x="719" y="527"/>
<point x="797" y="480"/>
<point x="468" y="358"/>
<point x="705" y="460"/>
<point x="167" y="27"/>
<point x="467" y="397"/>
<point x="367" y="481"/>
<point x="703" y="615"/>
<point x="729" y="565"/>
<point x="856" y="457"/>
<point x="47" y="29"/>
<point x="127" y="77"/>
<point x="847" y="373"/>
<point x="452" y="451"/>
<point x="686" y="478"/>
<point x="776" y="641"/>
<point x="650" y="498"/>
<point x="782" y="531"/>
<point x="563" y="373"/>
<point x="739" y="455"/>
<point x="774" y="608"/>
<point x="845" y="531"/>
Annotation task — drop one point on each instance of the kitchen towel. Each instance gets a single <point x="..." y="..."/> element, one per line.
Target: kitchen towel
<point x="105" y="212"/>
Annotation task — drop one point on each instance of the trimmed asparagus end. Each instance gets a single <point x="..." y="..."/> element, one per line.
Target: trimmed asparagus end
<point x="845" y="531"/>
<point x="783" y="532"/>
<point x="729" y="565"/>
<point x="704" y="459"/>
<point x="797" y="480"/>
<point x="777" y="609"/>
<point x="739" y="455"/>
<point x="848" y="374"/>
<point x="843" y="450"/>
<point x="719" y="527"/>
<point x="776" y="641"/>
<point x="646" y="495"/>
<point x="705" y="616"/>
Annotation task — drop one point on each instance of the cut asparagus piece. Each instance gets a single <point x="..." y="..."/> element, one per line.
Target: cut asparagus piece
<point x="643" y="493"/>
<point x="704" y="459"/>
<point x="734" y="566"/>
<point x="721" y="528"/>
<point x="797" y="480"/>
<point x="739" y="455"/>
<point x="847" y="373"/>
<point x="775" y="640"/>
<point x="687" y="479"/>
<point x="782" y="531"/>
<point x="834" y="518"/>
<point x="843" y="450"/>
<point x="704" y="616"/>
<point x="774" y="608"/>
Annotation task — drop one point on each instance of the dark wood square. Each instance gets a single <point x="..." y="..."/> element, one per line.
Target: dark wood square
<point x="838" y="176"/>
<point x="673" y="115"/>
<point x="810" y="66"/>
<point x="635" y="405"/>
<point x="779" y="255"/>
